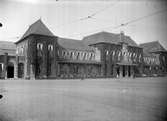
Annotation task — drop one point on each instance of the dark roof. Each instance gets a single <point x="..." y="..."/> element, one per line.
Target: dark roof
<point x="149" y="47"/>
<point x="73" y="44"/>
<point x="37" y="28"/>
<point x="7" y="47"/>
<point x="107" y="37"/>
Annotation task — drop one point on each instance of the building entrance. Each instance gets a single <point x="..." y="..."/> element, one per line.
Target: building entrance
<point x="125" y="71"/>
<point x="10" y="70"/>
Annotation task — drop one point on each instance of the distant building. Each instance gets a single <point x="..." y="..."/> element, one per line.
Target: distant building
<point x="41" y="54"/>
<point x="7" y="59"/>
<point x="155" y="58"/>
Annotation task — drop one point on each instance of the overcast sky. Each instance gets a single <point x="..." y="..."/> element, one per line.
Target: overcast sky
<point x="62" y="18"/>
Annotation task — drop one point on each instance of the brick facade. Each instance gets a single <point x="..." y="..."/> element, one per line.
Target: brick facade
<point x="40" y="55"/>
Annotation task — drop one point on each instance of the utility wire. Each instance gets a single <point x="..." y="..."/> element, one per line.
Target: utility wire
<point x="103" y="9"/>
<point x="143" y="17"/>
<point x="93" y="14"/>
<point x="126" y="23"/>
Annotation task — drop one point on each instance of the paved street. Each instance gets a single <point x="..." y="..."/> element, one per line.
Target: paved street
<point x="141" y="99"/>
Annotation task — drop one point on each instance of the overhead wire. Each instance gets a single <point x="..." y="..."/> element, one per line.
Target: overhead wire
<point x="92" y="15"/>
<point x="126" y="23"/>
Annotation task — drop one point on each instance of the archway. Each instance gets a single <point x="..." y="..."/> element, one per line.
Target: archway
<point x="10" y="70"/>
<point x="20" y="70"/>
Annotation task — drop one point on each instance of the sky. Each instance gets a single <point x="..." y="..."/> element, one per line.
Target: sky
<point x="69" y="18"/>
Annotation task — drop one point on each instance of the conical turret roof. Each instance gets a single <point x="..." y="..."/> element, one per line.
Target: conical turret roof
<point x="37" y="28"/>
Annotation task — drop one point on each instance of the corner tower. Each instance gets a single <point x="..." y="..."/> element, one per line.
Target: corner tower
<point x="35" y="52"/>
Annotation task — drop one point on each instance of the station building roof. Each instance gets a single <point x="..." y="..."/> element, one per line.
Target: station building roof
<point x="73" y="44"/>
<point x="107" y="37"/>
<point x="38" y="28"/>
<point x="152" y="47"/>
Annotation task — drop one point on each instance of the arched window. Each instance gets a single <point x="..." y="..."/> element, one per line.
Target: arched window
<point x="107" y="52"/>
<point x="39" y="46"/>
<point x="50" y="47"/>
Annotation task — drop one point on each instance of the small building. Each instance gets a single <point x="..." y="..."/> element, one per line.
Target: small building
<point x="155" y="58"/>
<point x="7" y="59"/>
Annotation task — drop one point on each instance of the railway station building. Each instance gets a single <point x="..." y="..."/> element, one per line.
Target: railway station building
<point x="39" y="54"/>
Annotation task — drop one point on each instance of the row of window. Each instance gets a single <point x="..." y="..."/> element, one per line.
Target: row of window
<point x="150" y="60"/>
<point x="40" y="46"/>
<point x="77" y="55"/>
<point x="120" y="53"/>
<point x="21" y="49"/>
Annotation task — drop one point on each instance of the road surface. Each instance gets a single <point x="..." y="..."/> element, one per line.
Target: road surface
<point x="140" y="99"/>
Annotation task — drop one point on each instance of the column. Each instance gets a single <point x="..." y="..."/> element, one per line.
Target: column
<point x="25" y="68"/>
<point x="32" y="72"/>
<point x="5" y="65"/>
<point x="58" y="70"/>
<point x="132" y="71"/>
<point x="126" y="71"/>
<point x="55" y="57"/>
<point x="45" y="59"/>
<point x="16" y="67"/>
<point x="121" y="71"/>
<point x="114" y="70"/>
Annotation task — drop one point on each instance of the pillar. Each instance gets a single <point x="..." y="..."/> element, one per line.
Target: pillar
<point x="108" y="69"/>
<point x="5" y="65"/>
<point x="132" y="71"/>
<point x="45" y="60"/>
<point x="16" y="67"/>
<point x="126" y="70"/>
<point x="25" y="68"/>
<point x="32" y="71"/>
<point x="103" y="69"/>
<point x="114" y="70"/>
<point x="121" y="71"/>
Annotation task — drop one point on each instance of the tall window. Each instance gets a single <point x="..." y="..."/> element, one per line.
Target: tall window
<point x="39" y="46"/>
<point x="50" y="47"/>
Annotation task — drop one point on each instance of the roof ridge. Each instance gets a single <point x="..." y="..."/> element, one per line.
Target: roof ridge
<point x="69" y="38"/>
<point x="150" y="42"/>
<point x="39" y="28"/>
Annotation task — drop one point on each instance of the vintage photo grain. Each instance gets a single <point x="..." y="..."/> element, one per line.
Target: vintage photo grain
<point x="83" y="60"/>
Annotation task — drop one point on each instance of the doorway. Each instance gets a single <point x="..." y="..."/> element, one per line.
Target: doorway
<point x="129" y="71"/>
<point x="10" y="70"/>
<point x="124" y="70"/>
